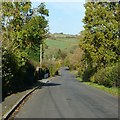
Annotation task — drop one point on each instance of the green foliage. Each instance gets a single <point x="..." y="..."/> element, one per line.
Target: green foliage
<point x="101" y="33"/>
<point x="60" y="54"/>
<point x="15" y="77"/>
<point x="53" y="66"/>
<point x="42" y="10"/>
<point x="58" y="47"/>
<point x="34" y="53"/>
<point x="108" y="76"/>
<point x="9" y="67"/>
<point x="100" y="42"/>
<point x="74" y="60"/>
<point x="88" y="73"/>
<point x="22" y="27"/>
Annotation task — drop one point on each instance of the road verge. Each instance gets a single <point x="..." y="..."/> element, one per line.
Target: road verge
<point x="8" y="114"/>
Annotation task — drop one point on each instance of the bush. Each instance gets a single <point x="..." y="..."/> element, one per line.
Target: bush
<point x="88" y="73"/>
<point x="29" y="75"/>
<point x="74" y="60"/>
<point x="108" y="76"/>
<point x="52" y="66"/>
<point x="9" y="69"/>
<point x="113" y="75"/>
<point x="16" y="76"/>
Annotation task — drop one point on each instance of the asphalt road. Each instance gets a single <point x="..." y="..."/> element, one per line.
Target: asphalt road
<point x="65" y="97"/>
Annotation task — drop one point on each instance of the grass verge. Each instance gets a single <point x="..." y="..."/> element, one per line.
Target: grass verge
<point x="112" y="90"/>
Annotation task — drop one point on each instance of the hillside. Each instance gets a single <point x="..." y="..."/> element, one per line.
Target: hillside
<point x="60" y="41"/>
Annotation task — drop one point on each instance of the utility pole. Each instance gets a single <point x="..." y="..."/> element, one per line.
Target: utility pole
<point x="40" y="69"/>
<point x="40" y="55"/>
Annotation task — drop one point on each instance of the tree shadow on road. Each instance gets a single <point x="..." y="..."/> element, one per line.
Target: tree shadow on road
<point x="51" y="84"/>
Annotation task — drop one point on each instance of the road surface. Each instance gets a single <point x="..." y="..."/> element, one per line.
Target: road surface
<point x="65" y="97"/>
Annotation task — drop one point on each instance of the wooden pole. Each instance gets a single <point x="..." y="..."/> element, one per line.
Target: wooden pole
<point x="40" y="55"/>
<point x="40" y="69"/>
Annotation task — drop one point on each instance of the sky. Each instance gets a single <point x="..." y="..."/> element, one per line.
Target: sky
<point x="65" y="17"/>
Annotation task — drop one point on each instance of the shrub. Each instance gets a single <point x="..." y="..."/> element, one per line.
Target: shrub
<point x="88" y="73"/>
<point x="52" y="66"/>
<point x="108" y="76"/>
<point x="16" y="75"/>
<point x="9" y="69"/>
<point x="74" y="60"/>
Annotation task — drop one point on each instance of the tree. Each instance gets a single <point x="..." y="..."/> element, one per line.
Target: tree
<point x="22" y="27"/>
<point x="100" y="42"/>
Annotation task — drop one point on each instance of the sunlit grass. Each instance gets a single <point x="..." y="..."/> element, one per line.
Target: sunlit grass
<point x="111" y="90"/>
<point x="62" y="43"/>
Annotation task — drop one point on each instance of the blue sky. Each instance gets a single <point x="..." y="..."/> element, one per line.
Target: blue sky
<point x="65" y="17"/>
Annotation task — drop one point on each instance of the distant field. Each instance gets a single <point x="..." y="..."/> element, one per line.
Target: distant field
<point x="60" y="42"/>
<point x="55" y="42"/>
